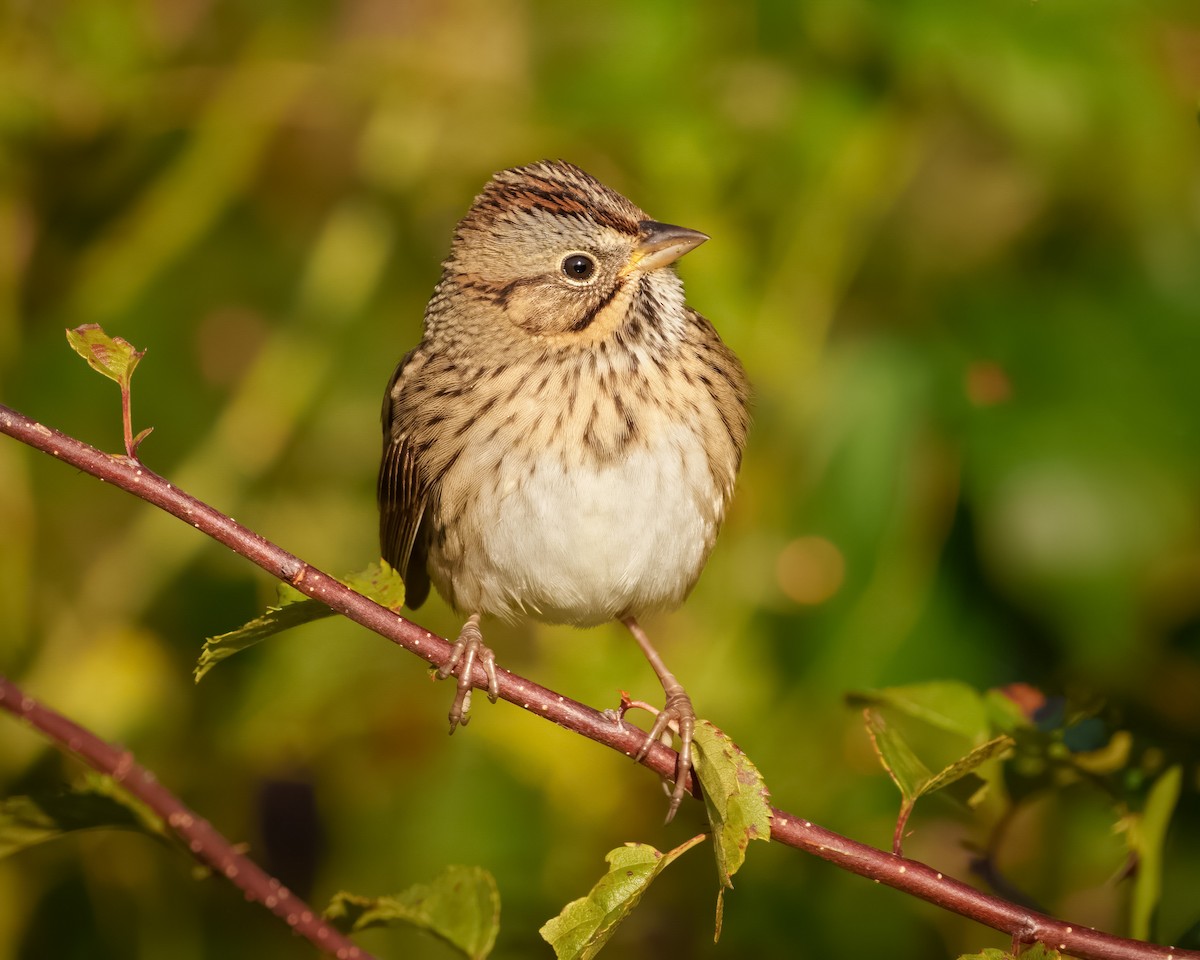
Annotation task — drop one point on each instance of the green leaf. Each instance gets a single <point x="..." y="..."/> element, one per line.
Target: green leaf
<point x="585" y="925"/>
<point x="36" y="818"/>
<point x="1039" y="951"/>
<point x="968" y="763"/>
<point x="378" y="581"/>
<point x="115" y="357"/>
<point x="914" y="779"/>
<point x="290" y="613"/>
<point x="902" y="765"/>
<point x="945" y="704"/>
<point x="1147" y="835"/>
<point x="460" y="906"/>
<point x="1013" y="706"/>
<point x="735" y="798"/>
<point x="1110" y="758"/>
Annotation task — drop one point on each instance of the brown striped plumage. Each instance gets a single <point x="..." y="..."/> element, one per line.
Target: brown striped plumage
<point x="564" y="440"/>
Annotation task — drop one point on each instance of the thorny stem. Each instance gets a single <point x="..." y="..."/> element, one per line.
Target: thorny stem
<point x="1024" y="925"/>
<point x="201" y="839"/>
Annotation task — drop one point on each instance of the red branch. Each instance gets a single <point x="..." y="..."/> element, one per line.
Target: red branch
<point x="204" y="842"/>
<point x="1024" y="925"/>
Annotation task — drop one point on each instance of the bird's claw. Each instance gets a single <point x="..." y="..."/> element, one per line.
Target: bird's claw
<point x="677" y="715"/>
<point x="466" y="650"/>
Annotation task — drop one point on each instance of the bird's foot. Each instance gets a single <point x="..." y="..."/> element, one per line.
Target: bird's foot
<point x="467" y="649"/>
<point x="677" y="716"/>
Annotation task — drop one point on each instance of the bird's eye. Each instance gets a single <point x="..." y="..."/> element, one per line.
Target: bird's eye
<point x="578" y="267"/>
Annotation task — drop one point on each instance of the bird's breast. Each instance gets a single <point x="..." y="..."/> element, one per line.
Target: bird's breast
<point x="583" y="522"/>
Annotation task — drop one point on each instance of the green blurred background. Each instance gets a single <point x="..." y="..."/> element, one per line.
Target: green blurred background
<point x="955" y="245"/>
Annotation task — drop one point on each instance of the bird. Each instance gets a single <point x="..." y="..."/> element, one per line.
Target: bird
<point x="564" y="441"/>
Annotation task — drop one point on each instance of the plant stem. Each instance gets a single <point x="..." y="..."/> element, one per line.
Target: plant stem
<point x="200" y="837"/>
<point x="910" y="876"/>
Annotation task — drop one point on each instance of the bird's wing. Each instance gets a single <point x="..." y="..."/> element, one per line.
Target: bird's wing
<point x="403" y="495"/>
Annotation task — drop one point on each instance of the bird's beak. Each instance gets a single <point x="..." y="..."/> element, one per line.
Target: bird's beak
<point x="661" y="243"/>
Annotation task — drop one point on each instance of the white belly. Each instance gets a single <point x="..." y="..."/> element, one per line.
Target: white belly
<point x="589" y="545"/>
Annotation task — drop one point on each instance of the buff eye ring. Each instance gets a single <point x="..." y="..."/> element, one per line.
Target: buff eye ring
<point x="579" y="268"/>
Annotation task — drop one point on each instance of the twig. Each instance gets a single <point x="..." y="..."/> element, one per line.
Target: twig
<point x="910" y="876"/>
<point x="204" y="842"/>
